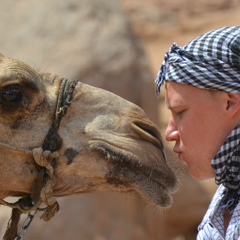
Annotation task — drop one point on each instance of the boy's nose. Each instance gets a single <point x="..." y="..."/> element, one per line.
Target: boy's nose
<point x="171" y="133"/>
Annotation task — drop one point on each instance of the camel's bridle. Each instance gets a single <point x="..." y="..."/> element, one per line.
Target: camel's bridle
<point x="46" y="158"/>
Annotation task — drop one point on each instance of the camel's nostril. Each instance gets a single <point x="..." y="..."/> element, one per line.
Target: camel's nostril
<point x="148" y="132"/>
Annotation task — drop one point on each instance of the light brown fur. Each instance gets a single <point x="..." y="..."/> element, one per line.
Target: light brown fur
<point x="108" y="142"/>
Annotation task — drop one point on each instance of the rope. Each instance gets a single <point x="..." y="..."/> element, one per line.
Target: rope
<point x="47" y="161"/>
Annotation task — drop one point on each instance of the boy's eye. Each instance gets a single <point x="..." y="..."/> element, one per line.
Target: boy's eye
<point x="179" y="113"/>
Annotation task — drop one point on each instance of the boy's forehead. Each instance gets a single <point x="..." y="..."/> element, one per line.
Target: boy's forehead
<point x="178" y="94"/>
<point x="178" y="89"/>
<point x="173" y="97"/>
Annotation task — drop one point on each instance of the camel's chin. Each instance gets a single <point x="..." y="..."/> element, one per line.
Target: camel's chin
<point x="148" y="189"/>
<point x="159" y="197"/>
<point x="126" y="173"/>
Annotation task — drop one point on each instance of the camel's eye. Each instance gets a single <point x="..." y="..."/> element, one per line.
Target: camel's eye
<point x="12" y="94"/>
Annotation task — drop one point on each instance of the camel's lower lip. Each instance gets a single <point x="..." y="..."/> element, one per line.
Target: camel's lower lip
<point x="127" y="173"/>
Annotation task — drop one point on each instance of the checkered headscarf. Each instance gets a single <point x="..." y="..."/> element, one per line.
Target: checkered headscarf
<point x="211" y="61"/>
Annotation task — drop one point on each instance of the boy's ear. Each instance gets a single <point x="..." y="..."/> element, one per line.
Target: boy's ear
<point x="233" y="104"/>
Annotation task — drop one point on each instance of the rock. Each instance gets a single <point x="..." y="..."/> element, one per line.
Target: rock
<point x="89" y="40"/>
<point x="159" y="19"/>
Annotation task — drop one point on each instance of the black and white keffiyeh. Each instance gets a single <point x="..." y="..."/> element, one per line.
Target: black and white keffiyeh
<point x="211" y="61"/>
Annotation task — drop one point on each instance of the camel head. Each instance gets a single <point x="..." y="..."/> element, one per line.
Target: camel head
<point x="104" y="142"/>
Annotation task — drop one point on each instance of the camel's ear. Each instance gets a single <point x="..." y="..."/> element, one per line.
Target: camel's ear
<point x="233" y="104"/>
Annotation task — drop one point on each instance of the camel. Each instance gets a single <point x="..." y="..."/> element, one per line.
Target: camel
<point x="61" y="137"/>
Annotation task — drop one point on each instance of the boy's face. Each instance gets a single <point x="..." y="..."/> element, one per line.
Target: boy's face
<point x="199" y="125"/>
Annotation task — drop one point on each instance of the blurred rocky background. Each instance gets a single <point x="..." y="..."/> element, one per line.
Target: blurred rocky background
<point x="119" y="46"/>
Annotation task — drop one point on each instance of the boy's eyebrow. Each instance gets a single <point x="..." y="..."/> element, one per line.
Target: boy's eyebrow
<point x="173" y="105"/>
